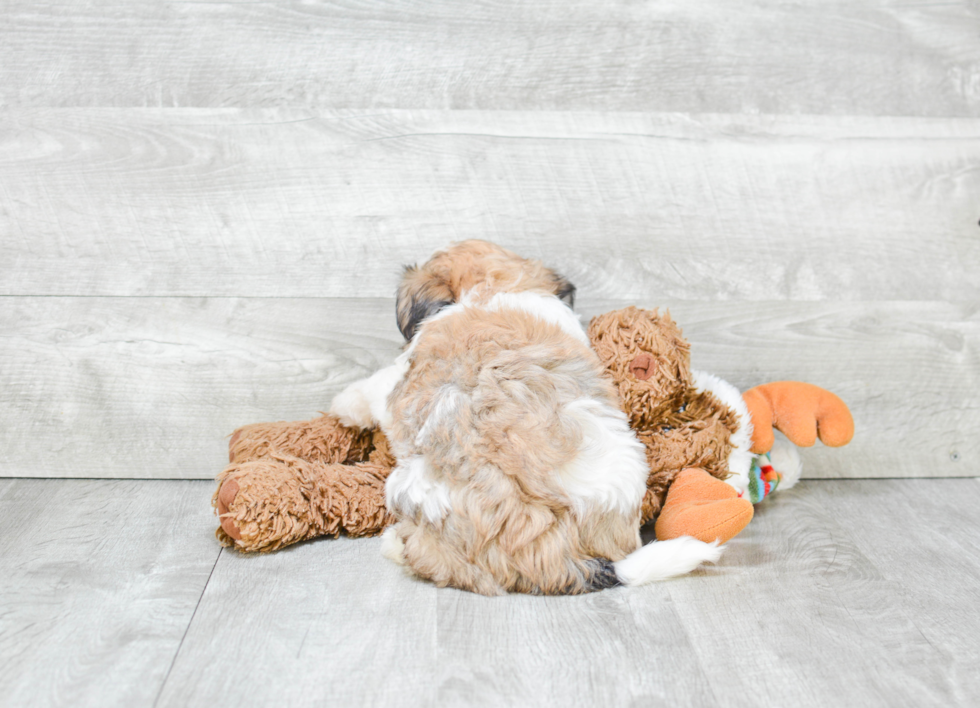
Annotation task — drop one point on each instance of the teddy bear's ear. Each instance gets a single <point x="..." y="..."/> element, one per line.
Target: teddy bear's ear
<point x="421" y="294"/>
<point x="564" y="290"/>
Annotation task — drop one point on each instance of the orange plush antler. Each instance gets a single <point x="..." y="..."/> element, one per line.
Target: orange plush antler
<point x="801" y="411"/>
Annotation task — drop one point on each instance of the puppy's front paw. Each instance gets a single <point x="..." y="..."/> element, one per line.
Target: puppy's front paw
<point x="392" y="547"/>
<point x="353" y="407"/>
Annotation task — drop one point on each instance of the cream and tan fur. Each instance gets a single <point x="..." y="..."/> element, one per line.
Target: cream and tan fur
<point x="516" y="468"/>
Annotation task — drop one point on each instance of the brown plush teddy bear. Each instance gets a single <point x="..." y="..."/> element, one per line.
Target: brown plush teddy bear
<point x="288" y="482"/>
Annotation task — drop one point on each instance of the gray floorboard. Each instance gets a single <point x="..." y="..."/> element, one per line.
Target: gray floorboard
<point x="840" y="592"/>
<point x="98" y="585"/>
<point x="932" y="540"/>
<point x="328" y="622"/>
<point x="826" y="600"/>
<point x="612" y="648"/>
<point x="813" y="605"/>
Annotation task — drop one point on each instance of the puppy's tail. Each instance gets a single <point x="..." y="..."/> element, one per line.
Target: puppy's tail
<point x="655" y="561"/>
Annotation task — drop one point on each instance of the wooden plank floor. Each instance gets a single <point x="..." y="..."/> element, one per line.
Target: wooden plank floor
<point x="99" y="582"/>
<point x="840" y="592"/>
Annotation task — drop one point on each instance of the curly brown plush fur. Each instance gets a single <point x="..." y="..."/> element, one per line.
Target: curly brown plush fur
<point x="322" y="439"/>
<point x="289" y="482"/>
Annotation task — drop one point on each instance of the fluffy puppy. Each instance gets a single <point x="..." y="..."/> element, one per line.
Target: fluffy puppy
<point x="516" y="469"/>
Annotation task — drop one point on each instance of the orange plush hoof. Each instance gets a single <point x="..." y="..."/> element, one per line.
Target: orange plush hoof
<point x="703" y="507"/>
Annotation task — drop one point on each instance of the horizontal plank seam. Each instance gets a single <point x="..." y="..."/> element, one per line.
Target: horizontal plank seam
<point x="582" y="302"/>
<point x="154" y="479"/>
<point x="172" y="296"/>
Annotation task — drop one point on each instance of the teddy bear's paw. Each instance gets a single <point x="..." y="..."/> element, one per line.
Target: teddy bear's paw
<point x="227" y="492"/>
<point x="250" y="442"/>
<point x="323" y="439"/>
<point x="268" y="503"/>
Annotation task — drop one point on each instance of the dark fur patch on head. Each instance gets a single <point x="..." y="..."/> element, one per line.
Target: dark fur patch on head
<point x="601" y="574"/>
<point x="420" y="311"/>
<point x="420" y="295"/>
<point x="564" y="290"/>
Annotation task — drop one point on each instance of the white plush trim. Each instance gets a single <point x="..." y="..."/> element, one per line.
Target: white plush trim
<point x="665" y="559"/>
<point x="740" y="459"/>
<point x="785" y="457"/>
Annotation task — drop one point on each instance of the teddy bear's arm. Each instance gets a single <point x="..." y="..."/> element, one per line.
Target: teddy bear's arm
<point x="323" y="439"/>
<point x="801" y="411"/>
<point x="277" y="500"/>
<point x="288" y="482"/>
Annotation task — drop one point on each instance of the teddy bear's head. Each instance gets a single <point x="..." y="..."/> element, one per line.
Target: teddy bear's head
<point x="679" y="425"/>
<point x="649" y="359"/>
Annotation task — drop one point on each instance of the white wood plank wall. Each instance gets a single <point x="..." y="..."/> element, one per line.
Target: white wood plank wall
<point x="204" y="207"/>
<point x="829" y="57"/>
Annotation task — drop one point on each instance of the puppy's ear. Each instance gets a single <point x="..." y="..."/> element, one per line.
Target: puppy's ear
<point x="421" y="294"/>
<point x="564" y="290"/>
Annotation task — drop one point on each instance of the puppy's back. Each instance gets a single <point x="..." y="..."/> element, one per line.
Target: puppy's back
<point x="517" y="470"/>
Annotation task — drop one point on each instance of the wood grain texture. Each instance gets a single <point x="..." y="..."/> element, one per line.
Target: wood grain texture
<point x="869" y="57"/>
<point x="151" y="387"/>
<point x="330" y="622"/>
<point x="820" y="601"/>
<point x="610" y="648"/>
<point x="933" y="559"/>
<point x="908" y="371"/>
<point x="100" y="580"/>
<point x="646" y="207"/>
<point x="829" y="597"/>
